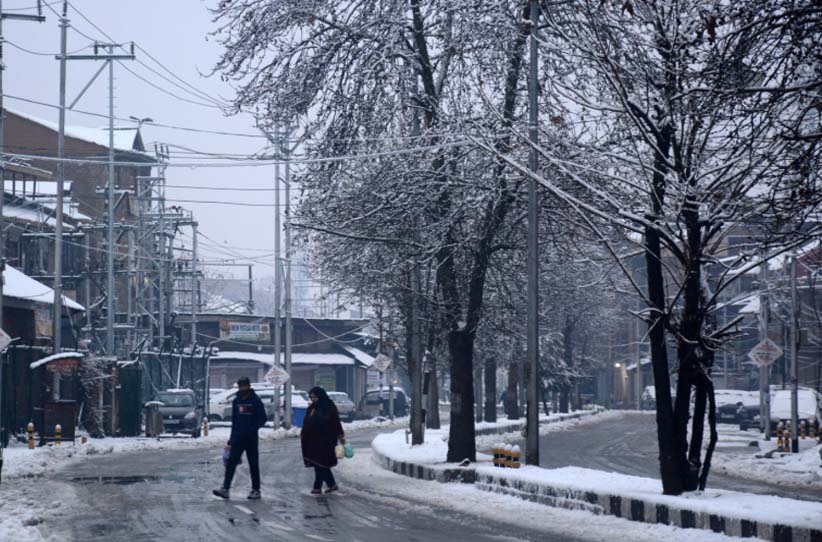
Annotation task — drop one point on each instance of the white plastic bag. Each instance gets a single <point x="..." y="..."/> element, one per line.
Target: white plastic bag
<point x="339" y="450"/>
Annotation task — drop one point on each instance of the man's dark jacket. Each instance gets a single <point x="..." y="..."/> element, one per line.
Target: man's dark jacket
<point x="247" y="416"/>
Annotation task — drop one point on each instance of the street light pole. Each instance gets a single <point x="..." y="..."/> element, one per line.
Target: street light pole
<point x="532" y="443"/>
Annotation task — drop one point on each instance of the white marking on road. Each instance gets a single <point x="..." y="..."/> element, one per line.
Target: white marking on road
<point x="277" y="526"/>
<point x="242" y="508"/>
<point x="318" y="537"/>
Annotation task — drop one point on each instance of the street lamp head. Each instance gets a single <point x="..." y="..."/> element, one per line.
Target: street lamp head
<point x="617" y="365"/>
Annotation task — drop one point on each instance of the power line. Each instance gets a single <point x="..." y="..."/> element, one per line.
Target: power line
<point x="164" y="91"/>
<point x="29" y="51"/>
<point x="260" y="162"/>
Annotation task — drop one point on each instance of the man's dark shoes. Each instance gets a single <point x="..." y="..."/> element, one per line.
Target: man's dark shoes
<point x="254" y="495"/>
<point x="332" y="489"/>
<point x="222" y="493"/>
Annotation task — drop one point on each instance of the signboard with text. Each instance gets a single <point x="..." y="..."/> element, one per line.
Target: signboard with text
<point x="245" y="331"/>
<point x="765" y="353"/>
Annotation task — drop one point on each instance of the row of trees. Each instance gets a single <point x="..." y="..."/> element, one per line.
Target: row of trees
<point x="666" y="126"/>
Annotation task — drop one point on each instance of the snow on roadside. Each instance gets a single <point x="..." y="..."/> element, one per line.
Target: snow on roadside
<point x="802" y="470"/>
<point x="766" y="508"/>
<point x="23" y="508"/>
<point x="22" y="462"/>
<point x="364" y="478"/>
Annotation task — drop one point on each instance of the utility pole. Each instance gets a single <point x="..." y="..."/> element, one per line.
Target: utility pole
<point x="195" y="288"/>
<point x="109" y="58"/>
<point x="415" y="355"/>
<point x="638" y="358"/>
<point x="57" y="319"/>
<point x="277" y="265"/>
<point x="794" y="351"/>
<point x="532" y="442"/>
<point x="285" y="149"/>
<point x="764" y="386"/>
<point x="39" y="18"/>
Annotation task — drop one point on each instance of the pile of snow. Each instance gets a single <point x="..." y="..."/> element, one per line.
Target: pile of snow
<point x="803" y="470"/>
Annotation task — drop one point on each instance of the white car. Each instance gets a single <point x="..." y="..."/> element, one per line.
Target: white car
<point x="345" y="406"/>
<point x="219" y="406"/>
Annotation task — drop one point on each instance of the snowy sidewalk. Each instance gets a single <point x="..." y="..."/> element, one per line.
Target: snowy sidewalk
<point x="630" y="497"/>
<point x="20" y="462"/>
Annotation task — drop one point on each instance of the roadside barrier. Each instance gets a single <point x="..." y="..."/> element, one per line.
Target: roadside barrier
<point x="788" y="435"/>
<point x="509" y="459"/>
<point x="58" y="435"/>
<point x="30" y="430"/>
<point x="497" y="451"/>
<point x="516" y="453"/>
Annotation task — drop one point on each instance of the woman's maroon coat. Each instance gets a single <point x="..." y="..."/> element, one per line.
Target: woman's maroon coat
<point x="318" y="437"/>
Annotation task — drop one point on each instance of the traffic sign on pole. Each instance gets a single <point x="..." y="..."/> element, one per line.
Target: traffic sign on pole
<point x="382" y="362"/>
<point x="277" y="376"/>
<point x="765" y="353"/>
<point x="5" y="340"/>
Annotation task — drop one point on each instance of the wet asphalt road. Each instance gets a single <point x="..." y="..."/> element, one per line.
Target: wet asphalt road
<point x="166" y="495"/>
<point x="628" y="445"/>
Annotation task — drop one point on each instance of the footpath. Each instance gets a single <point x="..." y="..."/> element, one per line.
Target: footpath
<point x="633" y="498"/>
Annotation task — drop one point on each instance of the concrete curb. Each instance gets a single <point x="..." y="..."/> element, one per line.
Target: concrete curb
<point x="604" y="503"/>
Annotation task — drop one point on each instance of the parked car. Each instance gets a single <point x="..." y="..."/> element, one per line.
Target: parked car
<point x="375" y="403"/>
<point x="266" y="395"/>
<point x="736" y="407"/>
<point x="180" y="411"/>
<point x="809" y="408"/>
<point x="345" y="405"/>
<point x="219" y="406"/>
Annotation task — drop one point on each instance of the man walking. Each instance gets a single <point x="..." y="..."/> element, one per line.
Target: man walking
<point x="247" y="417"/>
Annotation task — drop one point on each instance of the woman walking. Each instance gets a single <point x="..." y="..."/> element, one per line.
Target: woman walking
<point x="320" y="433"/>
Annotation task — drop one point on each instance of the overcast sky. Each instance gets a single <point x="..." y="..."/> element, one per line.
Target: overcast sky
<point x="175" y="32"/>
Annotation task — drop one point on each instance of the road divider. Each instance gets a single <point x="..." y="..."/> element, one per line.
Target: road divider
<point x="629" y="497"/>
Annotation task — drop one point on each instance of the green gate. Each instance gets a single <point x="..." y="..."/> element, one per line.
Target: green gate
<point x="129" y="399"/>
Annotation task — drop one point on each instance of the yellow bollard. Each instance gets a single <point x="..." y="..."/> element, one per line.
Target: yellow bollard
<point x="84" y="440"/>
<point x="58" y="434"/>
<point x="779" y="441"/>
<point x="803" y="429"/>
<point x="30" y="429"/>
<point x="516" y="453"/>
<point x="813" y="431"/>
<point x="508" y="459"/>
<point x="205" y="427"/>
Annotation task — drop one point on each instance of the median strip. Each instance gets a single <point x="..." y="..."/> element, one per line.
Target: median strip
<point x="629" y="497"/>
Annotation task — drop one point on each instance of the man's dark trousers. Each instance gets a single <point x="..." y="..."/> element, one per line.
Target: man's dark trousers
<point x="251" y="446"/>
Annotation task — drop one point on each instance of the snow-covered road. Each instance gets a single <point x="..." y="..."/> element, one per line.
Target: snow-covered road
<point x="162" y="495"/>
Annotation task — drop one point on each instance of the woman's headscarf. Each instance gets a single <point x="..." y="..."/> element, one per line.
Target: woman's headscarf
<point x="324" y="402"/>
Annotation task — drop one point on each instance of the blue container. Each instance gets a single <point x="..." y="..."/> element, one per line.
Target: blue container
<point x="298" y="414"/>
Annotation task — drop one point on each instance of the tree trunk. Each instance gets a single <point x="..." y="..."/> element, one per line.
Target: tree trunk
<point x="543" y="391"/>
<point x="511" y="395"/>
<point x="432" y="419"/>
<point x="461" y="434"/>
<point x="670" y="465"/>
<point x="478" y="406"/>
<point x="490" y="389"/>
